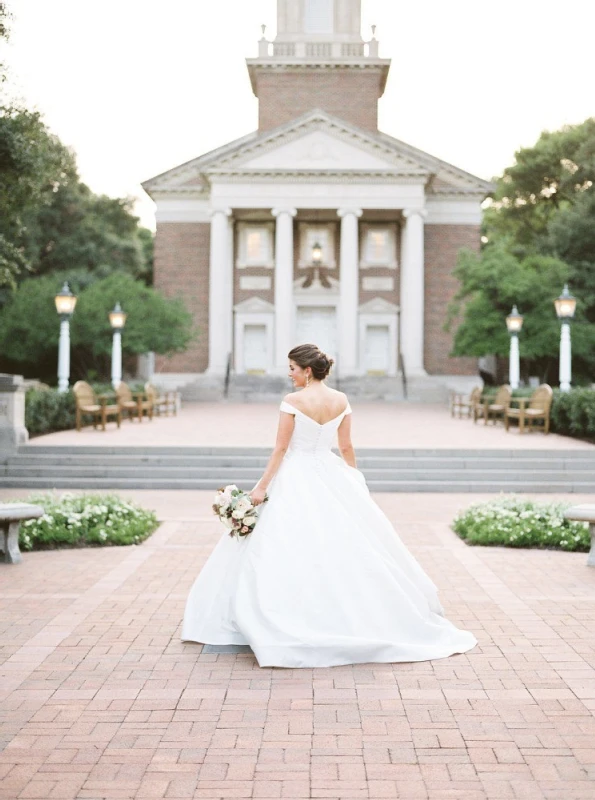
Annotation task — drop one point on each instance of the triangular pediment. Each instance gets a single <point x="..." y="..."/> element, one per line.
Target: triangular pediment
<point x="317" y="144"/>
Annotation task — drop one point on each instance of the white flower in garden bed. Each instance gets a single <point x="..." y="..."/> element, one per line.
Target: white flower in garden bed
<point x="81" y="520"/>
<point x="512" y="521"/>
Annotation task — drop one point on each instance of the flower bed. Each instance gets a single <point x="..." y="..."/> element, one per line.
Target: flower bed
<point x="82" y="520"/>
<point x="511" y="521"/>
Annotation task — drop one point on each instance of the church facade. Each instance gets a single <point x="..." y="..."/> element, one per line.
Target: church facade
<point x="317" y="227"/>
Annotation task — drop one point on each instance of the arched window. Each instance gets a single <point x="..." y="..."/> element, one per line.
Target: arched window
<point x="319" y="16"/>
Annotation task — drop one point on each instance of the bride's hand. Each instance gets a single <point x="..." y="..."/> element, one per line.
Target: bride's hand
<point x="258" y="495"/>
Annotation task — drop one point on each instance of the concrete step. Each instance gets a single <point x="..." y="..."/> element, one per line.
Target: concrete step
<point x="463" y="486"/>
<point x="211" y="467"/>
<point x="229" y="474"/>
<point x="234" y="460"/>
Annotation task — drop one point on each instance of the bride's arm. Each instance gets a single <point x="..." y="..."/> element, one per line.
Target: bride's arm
<point x="344" y="439"/>
<point x="284" y="434"/>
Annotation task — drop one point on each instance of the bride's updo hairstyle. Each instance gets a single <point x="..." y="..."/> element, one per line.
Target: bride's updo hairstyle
<point x="308" y="355"/>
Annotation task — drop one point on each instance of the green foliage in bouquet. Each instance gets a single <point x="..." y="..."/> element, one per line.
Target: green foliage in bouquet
<point x="83" y="520"/>
<point x="510" y="521"/>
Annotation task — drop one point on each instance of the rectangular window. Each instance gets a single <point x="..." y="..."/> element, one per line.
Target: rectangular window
<point x="254" y="246"/>
<point x="378" y="246"/>
<point x="319" y="16"/>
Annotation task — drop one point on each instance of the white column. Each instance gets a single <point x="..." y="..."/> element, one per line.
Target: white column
<point x="220" y="292"/>
<point x="284" y="322"/>
<point x="349" y="292"/>
<point x="117" y="359"/>
<point x="565" y="358"/>
<point x="412" y="291"/>
<point x="64" y="355"/>
<point x="514" y="369"/>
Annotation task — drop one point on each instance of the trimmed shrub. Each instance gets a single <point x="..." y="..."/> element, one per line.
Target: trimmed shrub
<point x="84" y="520"/>
<point x="48" y="410"/>
<point x="573" y="413"/>
<point x="510" y="521"/>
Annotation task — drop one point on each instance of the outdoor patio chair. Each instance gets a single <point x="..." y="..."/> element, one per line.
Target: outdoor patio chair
<point x="133" y="402"/>
<point x="163" y="402"/>
<point x="96" y="406"/>
<point x="496" y="408"/>
<point x="470" y="405"/>
<point x="531" y="409"/>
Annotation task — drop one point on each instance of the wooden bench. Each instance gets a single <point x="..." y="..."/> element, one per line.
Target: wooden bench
<point x="87" y="402"/>
<point x="470" y="405"/>
<point x="134" y="402"/>
<point x="497" y="407"/>
<point x="585" y="513"/>
<point x="163" y="402"/>
<point x="531" y="409"/>
<point x="11" y="516"/>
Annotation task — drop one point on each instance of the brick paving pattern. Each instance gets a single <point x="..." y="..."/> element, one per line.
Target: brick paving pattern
<point x="387" y="425"/>
<point x="99" y="698"/>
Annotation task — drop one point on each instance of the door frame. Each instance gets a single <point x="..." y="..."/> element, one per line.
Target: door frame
<point x="254" y="311"/>
<point x="379" y="312"/>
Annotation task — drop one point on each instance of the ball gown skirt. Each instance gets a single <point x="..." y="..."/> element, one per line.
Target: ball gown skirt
<point x="323" y="579"/>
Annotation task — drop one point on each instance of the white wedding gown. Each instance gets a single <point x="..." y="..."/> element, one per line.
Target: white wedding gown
<point x="323" y="579"/>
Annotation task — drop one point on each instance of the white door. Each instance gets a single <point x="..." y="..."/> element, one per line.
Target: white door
<point x="318" y="325"/>
<point x="377" y="351"/>
<point x="255" y="349"/>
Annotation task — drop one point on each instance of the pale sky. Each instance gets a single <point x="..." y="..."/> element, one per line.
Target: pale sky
<point x="137" y="87"/>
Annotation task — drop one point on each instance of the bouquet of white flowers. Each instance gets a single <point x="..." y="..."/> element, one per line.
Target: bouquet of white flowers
<point x="236" y="511"/>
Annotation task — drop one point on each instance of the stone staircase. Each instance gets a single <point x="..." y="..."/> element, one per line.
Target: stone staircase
<point x="270" y="388"/>
<point x="99" y="468"/>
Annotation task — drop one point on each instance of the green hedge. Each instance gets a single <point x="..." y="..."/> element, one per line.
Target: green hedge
<point x="510" y="521"/>
<point x="48" y="410"/>
<point x="573" y="413"/>
<point x="83" y="520"/>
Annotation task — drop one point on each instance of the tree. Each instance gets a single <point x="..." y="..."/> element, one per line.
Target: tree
<point x="546" y="178"/>
<point x="29" y="327"/>
<point x="79" y="229"/>
<point x="491" y="283"/>
<point x="34" y="164"/>
<point x="540" y="234"/>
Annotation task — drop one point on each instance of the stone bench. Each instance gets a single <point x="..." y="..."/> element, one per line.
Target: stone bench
<point x="585" y="513"/>
<point x="11" y="516"/>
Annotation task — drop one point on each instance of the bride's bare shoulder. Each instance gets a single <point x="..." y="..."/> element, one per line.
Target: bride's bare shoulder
<point x="290" y="398"/>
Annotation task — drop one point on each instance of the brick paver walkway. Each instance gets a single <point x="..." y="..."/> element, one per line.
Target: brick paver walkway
<point x="100" y="699"/>
<point x="399" y="425"/>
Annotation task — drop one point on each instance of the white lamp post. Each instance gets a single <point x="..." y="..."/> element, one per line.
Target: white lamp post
<point x="514" y="323"/>
<point x="117" y="320"/>
<point x="565" y="308"/>
<point x="65" y="303"/>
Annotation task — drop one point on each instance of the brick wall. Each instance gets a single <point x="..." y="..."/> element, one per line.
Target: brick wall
<point x="182" y="270"/>
<point x="349" y="94"/>
<point x="442" y="243"/>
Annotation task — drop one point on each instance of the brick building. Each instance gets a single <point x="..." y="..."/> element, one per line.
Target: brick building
<point x="316" y="227"/>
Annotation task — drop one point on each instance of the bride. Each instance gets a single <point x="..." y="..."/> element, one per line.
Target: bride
<point x="323" y="579"/>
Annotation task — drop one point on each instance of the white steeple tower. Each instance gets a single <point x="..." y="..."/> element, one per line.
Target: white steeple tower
<point x="312" y="20"/>
<point x="318" y="60"/>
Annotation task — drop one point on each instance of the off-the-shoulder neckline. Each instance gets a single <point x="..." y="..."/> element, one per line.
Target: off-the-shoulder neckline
<point x="320" y="424"/>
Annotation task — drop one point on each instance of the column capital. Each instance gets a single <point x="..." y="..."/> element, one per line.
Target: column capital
<point x="410" y="212"/>
<point x="227" y="211"/>
<point x="291" y="211"/>
<point x="343" y="212"/>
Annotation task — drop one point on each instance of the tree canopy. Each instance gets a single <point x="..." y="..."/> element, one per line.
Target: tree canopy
<point x="29" y="327"/>
<point x="539" y="234"/>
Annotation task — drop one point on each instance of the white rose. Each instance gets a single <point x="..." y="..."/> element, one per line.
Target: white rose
<point x="227" y="522"/>
<point x="238" y="513"/>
